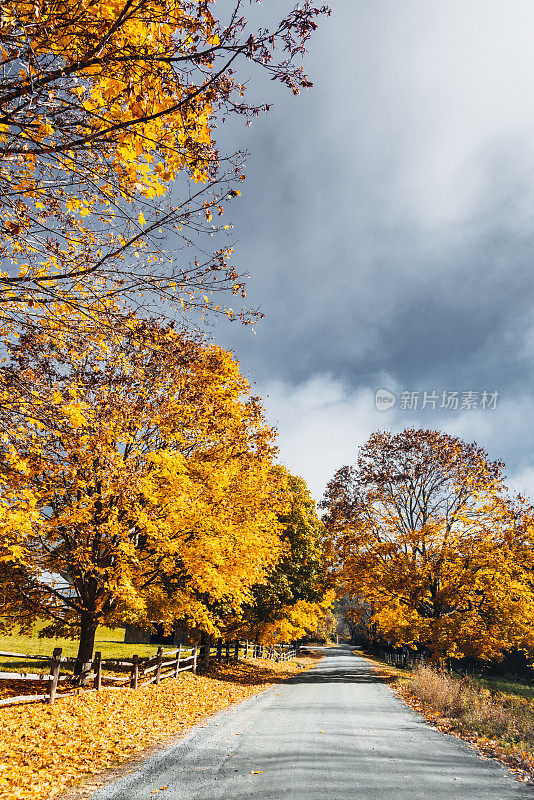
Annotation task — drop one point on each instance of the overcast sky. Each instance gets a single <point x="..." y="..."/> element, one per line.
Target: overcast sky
<point x="387" y="223"/>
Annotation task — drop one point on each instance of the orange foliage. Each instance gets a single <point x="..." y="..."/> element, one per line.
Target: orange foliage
<point x="143" y="472"/>
<point x="423" y="533"/>
<point x="105" y="105"/>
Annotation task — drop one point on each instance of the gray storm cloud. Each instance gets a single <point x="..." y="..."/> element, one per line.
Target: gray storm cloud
<point x="387" y="223"/>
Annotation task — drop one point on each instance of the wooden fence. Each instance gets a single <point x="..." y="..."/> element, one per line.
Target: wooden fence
<point x="405" y="657"/>
<point x="108" y="673"/>
<point x="222" y="650"/>
<point x="134" y="673"/>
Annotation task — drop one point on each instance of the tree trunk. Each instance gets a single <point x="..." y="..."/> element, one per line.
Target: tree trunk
<point x="88" y="627"/>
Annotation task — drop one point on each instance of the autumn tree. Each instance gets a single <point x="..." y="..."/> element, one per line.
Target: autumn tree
<point x="152" y="494"/>
<point x="294" y="596"/>
<point x="108" y="111"/>
<point x="354" y="616"/>
<point x="423" y="532"/>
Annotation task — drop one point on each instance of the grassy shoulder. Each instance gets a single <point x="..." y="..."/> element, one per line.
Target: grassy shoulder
<point x="494" y="715"/>
<point x="501" y="725"/>
<point x="507" y="686"/>
<point x="45" y="750"/>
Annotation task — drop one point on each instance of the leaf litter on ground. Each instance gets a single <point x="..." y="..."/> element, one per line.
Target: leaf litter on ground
<point x="45" y="750"/>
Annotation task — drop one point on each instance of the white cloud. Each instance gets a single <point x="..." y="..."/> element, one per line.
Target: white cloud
<point x="322" y="422"/>
<point x="434" y="91"/>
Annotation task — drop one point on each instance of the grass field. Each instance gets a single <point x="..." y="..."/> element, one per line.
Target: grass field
<point x="108" y="640"/>
<point x="510" y="685"/>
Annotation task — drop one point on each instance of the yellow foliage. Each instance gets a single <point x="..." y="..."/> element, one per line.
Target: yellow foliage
<point x="139" y="477"/>
<point x="107" y="107"/>
<point x="299" y="620"/>
<point x="423" y="534"/>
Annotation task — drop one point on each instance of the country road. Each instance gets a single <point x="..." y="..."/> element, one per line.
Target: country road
<point x="334" y="733"/>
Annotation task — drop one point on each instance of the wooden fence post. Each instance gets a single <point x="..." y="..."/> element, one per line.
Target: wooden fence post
<point x="178" y="654"/>
<point x="236" y="650"/>
<point x="54" y="672"/>
<point x="219" y="649"/>
<point x="135" y="672"/>
<point x="195" y="652"/>
<point x="227" y="652"/>
<point x="97" y="667"/>
<point x="159" y="662"/>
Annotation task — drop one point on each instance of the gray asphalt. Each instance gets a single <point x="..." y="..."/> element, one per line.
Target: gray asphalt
<point x="335" y="732"/>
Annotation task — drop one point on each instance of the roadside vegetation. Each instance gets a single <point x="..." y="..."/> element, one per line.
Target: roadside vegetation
<point x="495" y="715"/>
<point x="490" y="713"/>
<point x="508" y="685"/>
<point x="500" y="724"/>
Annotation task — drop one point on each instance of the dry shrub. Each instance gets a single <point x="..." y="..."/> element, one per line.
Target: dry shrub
<point x="475" y="708"/>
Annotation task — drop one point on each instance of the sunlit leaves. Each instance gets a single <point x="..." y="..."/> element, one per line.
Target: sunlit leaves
<point x="423" y="533"/>
<point x="44" y="750"/>
<point x="106" y="106"/>
<point x="137" y="470"/>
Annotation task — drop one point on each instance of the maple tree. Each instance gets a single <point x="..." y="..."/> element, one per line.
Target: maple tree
<point x="108" y="111"/>
<point x="294" y="596"/>
<point x="424" y="535"/>
<point x="137" y="478"/>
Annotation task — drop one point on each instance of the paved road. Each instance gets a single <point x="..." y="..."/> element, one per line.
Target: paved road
<point x="334" y="733"/>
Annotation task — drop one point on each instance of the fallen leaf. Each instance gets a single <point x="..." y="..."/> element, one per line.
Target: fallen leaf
<point x="111" y="726"/>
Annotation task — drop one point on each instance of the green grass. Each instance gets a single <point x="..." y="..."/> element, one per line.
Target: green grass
<point x="108" y="640"/>
<point x="508" y="685"/>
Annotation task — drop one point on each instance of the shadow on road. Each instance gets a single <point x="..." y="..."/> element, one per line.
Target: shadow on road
<point x="346" y="668"/>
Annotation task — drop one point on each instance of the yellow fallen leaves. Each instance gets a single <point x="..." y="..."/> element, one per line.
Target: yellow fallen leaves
<point x="44" y="750"/>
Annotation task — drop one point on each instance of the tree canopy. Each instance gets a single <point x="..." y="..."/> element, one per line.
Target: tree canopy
<point x="106" y="144"/>
<point x="294" y="596"/>
<point x="153" y="496"/>
<point x="423" y="530"/>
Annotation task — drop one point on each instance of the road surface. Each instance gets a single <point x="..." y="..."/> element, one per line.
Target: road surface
<point x="333" y="733"/>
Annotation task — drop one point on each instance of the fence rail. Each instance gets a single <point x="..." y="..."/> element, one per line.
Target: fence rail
<point x="404" y="657"/>
<point x="136" y="672"/>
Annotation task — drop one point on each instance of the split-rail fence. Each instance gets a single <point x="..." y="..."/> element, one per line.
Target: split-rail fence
<point x="55" y="679"/>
